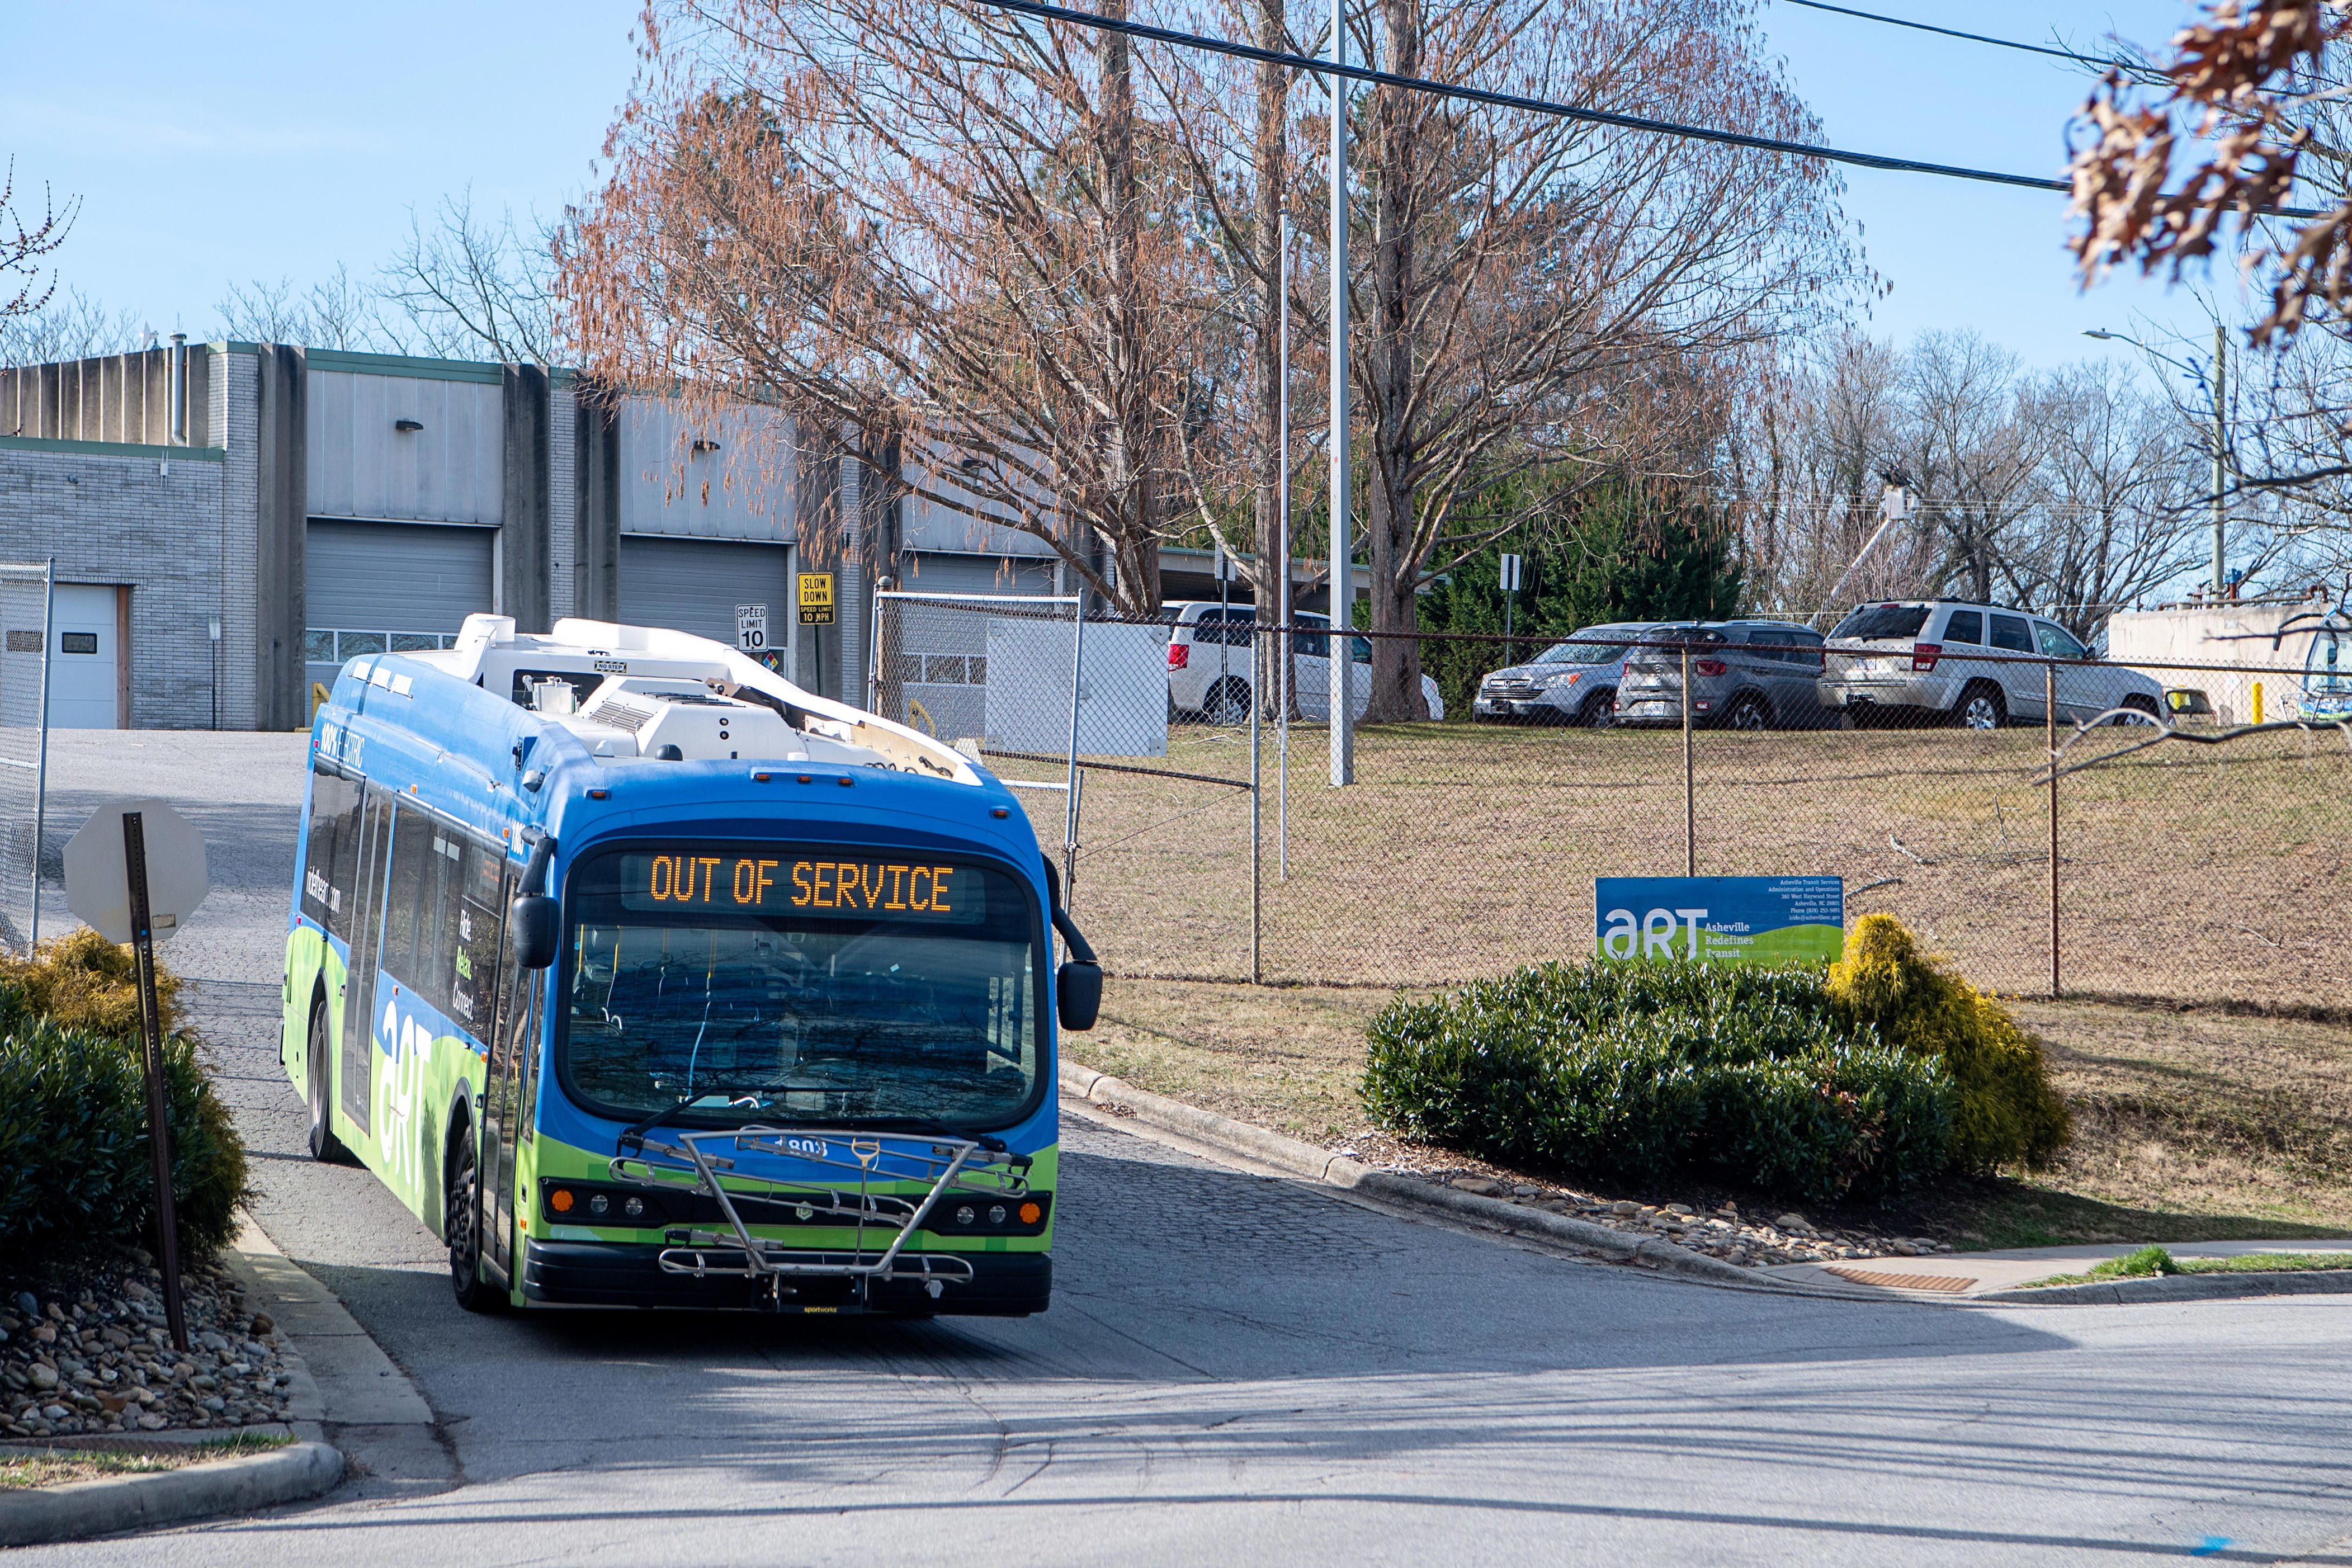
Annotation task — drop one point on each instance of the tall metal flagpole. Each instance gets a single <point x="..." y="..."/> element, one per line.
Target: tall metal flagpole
<point x="1283" y="665"/>
<point x="1343" y="575"/>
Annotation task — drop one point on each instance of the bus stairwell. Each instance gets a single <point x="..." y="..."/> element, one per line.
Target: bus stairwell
<point x="852" y="1166"/>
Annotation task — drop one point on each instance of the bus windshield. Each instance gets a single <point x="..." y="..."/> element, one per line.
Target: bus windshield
<point x="793" y="982"/>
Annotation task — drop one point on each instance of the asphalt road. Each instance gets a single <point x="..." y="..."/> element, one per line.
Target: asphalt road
<point x="1238" y="1369"/>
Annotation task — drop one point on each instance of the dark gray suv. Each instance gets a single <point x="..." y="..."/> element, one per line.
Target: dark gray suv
<point x="1745" y="675"/>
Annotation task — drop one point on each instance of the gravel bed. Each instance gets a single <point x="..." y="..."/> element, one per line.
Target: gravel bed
<point x="85" y="1350"/>
<point x="1757" y="1238"/>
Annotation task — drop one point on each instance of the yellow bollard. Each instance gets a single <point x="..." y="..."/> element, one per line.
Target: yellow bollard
<point x="2258" y="701"/>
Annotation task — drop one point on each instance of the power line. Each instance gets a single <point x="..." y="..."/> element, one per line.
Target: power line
<point x="1038" y="8"/>
<point x="1971" y="37"/>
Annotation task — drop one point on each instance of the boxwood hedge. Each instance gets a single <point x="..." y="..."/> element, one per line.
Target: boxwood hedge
<point x="1640" y="1071"/>
<point x="74" y="1162"/>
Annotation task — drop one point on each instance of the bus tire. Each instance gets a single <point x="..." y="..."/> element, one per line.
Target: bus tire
<point x="324" y="1144"/>
<point x="461" y="1223"/>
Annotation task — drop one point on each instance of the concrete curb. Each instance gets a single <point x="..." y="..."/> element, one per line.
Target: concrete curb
<point x="2179" y="1288"/>
<point x="1302" y="1159"/>
<point x="28" y="1517"/>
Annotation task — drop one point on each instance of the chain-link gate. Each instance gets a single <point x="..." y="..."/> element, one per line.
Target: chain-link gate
<point x="26" y="603"/>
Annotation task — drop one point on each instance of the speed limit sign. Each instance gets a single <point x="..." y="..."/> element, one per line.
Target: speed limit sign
<point x="751" y="627"/>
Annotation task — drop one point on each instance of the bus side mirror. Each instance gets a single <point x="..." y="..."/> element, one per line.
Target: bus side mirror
<point x="536" y="920"/>
<point x="1077" y="994"/>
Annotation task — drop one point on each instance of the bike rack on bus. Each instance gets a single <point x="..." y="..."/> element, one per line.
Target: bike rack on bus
<point x="941" y="1164"/>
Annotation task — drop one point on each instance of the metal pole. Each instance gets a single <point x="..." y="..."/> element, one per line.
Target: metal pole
<point x="41" y="744"/>
<point x="1282" y="601"/>
<point x="1070" y="807"/>
<point x="150" y="1031"/>
<point x="2050" y="730"/>
<point x="1343" y="577"/>
<point x="2221" y="568"/>
<point x="1257" y="879"/>
<point x="1690" y="806"/>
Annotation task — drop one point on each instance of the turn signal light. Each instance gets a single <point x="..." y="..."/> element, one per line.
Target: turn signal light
<point x="1925" y="655"/>
<point x="1180" y="655"/>
<point x="560" y="1200"/>
<point x="1031" y="1214"/>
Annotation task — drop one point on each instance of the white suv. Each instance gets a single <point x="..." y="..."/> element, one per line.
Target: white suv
<point x="1209" y="665"/>
<point x="1909" y="662"/>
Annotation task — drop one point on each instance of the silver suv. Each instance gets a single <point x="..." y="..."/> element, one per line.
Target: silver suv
<point x="1569" y="683"/>
<point x="1745" y="675"/>
<point x="1910" y="662"/>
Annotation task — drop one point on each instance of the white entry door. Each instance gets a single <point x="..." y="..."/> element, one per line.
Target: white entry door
<point x="85" y="657"/>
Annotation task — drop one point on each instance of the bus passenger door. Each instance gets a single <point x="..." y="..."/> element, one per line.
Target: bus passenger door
<point x="509" y="1043"/>
<point x="359" y="981"/>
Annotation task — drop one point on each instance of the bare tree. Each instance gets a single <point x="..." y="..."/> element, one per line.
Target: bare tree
<point x="69" y="325"/>
<point x="935" y="226"/>
<point x="24" y="241"/>
<point x="336" y="313"/>
<point x="1538" y="292"/>
<point x="468" y="286"/>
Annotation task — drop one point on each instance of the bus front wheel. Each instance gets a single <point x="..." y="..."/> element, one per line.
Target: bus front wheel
<point x="461" y="1223"/>
<point x="324" y="1144"/>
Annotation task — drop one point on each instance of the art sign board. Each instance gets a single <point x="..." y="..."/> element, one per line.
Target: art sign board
<point x="1719" y="920"/>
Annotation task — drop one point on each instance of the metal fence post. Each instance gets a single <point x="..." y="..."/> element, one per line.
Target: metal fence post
<point x="1258" y="705"/>
<point x="2050" y="728"/>
<point x="41" y="754"/>
<point x="1690" y="806"/>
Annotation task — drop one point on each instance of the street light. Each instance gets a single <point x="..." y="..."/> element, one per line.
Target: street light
<point x="2221" y="574"/>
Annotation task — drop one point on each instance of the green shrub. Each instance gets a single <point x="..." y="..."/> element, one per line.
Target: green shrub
<point x="74" y="1162"/>
<point x="1639" y="1070"/>
<point x="85" y="982"/>
<point x="2007" y="1111"/>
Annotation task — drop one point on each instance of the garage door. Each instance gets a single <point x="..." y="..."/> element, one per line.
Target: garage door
<point x="694" y="585"/>
<point x="378" y="587"/>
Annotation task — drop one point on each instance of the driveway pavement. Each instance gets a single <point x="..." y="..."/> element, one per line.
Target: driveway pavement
<point x="1239" y="1368"/>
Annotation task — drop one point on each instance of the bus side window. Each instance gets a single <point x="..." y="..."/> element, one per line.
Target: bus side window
<point x="420" y="918"/>
<point x="332" y="856"/>
<point x="480" y="908"/>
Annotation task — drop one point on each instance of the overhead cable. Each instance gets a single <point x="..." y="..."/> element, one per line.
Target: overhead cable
<point x="1040" y="9"/>
<point x="1971" y="37"/>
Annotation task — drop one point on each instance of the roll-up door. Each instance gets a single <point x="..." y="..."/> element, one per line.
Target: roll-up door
<point x="389" y="587"/>
<point x="694" y="585"/>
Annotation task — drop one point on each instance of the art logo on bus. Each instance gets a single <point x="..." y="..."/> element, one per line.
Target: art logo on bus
<point x="398" y="1079"/>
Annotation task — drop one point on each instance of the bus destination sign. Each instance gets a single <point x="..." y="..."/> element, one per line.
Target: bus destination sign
<point x="711" y="879"/>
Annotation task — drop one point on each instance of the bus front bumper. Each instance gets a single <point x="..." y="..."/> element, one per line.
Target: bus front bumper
<point x="629" y="1274"/>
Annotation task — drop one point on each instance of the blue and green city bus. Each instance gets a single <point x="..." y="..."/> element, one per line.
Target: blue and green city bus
<point x="646" y="978"/>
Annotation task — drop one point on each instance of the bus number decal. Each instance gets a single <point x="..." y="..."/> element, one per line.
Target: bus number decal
<point x="814" y="1148"/>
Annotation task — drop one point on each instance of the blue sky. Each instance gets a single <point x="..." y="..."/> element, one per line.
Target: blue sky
<point x="214" y="143"/>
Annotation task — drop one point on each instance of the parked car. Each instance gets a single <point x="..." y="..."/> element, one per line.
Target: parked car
<point x="1750" y="675"/>
<point x="1209" y="665"/>
<point x="1572" y="683"/>
<point x="1905" y="662"/>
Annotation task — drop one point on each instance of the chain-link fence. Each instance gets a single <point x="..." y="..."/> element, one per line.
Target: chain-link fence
<point x="26" y="644"/>
<point x="2199" y="818"/>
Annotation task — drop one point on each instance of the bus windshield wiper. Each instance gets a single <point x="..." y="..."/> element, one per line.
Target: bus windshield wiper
<point x="634" y="1139"/>
<point x="933" y="1124"/>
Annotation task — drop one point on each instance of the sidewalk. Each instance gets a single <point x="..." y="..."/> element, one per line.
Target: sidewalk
<point x="1970" y="1274"/>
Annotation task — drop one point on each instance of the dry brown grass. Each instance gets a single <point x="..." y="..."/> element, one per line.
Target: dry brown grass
<point x="2201" y="874"/>
<point x="2189" y="1126"/>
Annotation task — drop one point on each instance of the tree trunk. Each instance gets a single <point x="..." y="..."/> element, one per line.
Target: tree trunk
<point x="1132" y="477"/>
<point x="1270" y="171"/>
<point x="1389" y="368"/>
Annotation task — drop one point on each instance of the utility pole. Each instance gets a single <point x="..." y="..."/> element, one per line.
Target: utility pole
<point x="1341" y="661"/>
<point x="2221" y="566"/>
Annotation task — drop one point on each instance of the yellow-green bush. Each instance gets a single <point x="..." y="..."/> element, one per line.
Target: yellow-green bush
<point x="85" y="982"/>
<point x="2007" y="1112"/>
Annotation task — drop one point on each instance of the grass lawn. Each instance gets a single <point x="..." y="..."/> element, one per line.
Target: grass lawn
<point x="2190" y="1125"/>
<point x="2153" y="1260"/>
<point x="54" y="1466"/>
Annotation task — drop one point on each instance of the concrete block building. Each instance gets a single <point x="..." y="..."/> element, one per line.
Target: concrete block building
<point x="229" y="521"/>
